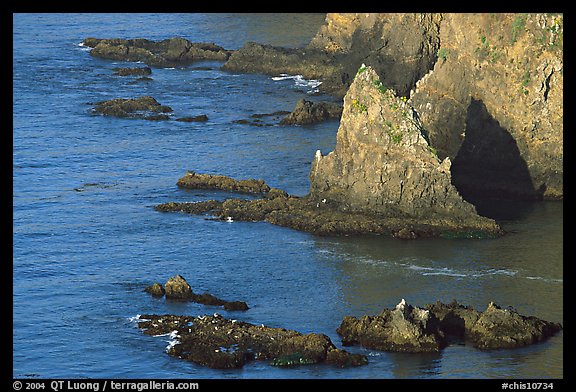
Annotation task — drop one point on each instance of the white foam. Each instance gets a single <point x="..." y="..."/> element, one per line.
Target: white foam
<point x="137" y="319"/>
<point x="84" y="47"/>
<point x="299" y="81"/>
<point x="173" y="340"/>
<point x="547" y="280"/>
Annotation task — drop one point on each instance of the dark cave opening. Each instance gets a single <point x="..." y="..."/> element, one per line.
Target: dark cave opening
<point x="489" y="171"/>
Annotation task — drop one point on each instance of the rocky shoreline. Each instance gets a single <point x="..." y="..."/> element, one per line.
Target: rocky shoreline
<point x="421" y="126"/>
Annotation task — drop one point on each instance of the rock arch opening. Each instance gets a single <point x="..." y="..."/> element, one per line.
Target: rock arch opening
<point x="489" y="166"/>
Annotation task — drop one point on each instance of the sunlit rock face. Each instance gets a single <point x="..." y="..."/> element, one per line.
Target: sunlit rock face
<point x="384" y="164"/>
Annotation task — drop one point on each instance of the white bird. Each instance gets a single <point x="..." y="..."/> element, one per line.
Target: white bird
<point x="229" y="219"/>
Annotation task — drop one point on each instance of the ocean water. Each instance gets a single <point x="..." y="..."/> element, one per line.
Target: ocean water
<point x="87" y="241"/>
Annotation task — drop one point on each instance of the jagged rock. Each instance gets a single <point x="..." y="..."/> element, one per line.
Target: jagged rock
<point x="138" y="71"/>
<point x="383" y="164"/>
<point x="505" y="328"/>
<point x="177" y="288"/>
<point x="401" y="47"/>
<point x="220" y="343"/>
<point x="133" y="108"/>
<point x="308" y="112"/>
<point x="413" y="329"/>
<point x="166" y="53"/>
<point x="403" y="329"/>
<point x="493" y="103"/>
<point x="193" y="180"/>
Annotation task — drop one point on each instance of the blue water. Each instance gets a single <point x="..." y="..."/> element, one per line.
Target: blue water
<point x="87" y="240"/>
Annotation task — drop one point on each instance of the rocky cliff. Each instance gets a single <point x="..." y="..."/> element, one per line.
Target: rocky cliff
<point x="384" y="164"/>
<point x="487" y="88"/>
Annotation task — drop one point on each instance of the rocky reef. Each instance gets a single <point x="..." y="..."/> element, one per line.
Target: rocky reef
<point x="146" y="108"/>
<point x="170" y="52"/>
<point x="487" y="88"/>
<point x="219" y="343"/>
<point x="178" y="289"/>
<point x="411" y="329"/>
<point x="306" y="214"/>
<point x="193" y="180"/>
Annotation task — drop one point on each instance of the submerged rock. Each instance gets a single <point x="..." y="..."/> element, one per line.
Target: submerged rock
<point x="170" y="52"/>
<point x="308" y="112"/>
<point x="177" y="288"/>
<point x="145" y="107"/>
<point x="200" y="118"/>
<point x="193" y="180"/>
<point x="217" y="342"/>
<point x="411" y="329"/>
<point x="505" y="328"/>
<point x="138" y="71"/>
<point x="156" y="290"/>
<point x="258" y="119"/>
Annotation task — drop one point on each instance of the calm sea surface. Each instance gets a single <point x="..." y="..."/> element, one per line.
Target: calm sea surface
<point x="87" y="240"/>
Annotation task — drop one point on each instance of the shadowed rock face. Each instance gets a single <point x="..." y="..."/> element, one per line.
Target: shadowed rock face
<point x="220" y="343"/>
<point x="411" y="329"/>
<point x="308" y="112"/>
<point x="320" y="217"/>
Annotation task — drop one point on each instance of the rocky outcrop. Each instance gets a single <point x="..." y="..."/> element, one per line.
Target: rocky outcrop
<point x="402" y="329"/>
<point x="170" y="52"/>
<point x="146" y="108"/>
<point x="319" y="218"/>
<point x="493" y="103"/>
<point x="178" y="289"/>
<point x="193" y="180"/>
<point x="217" y="342"/>
<point x="411" y="329"/>
<point x="308" y="112"/>
<point x="488" y="88"/>
<point x="383" y="163"/>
